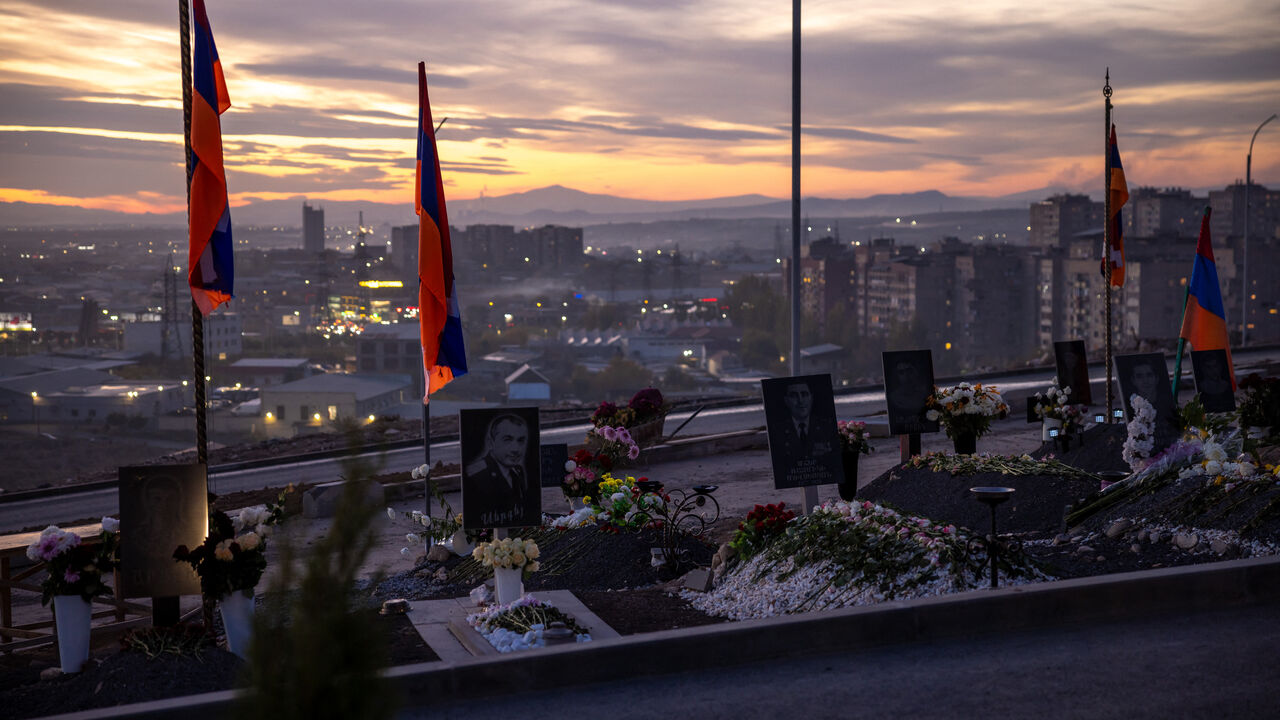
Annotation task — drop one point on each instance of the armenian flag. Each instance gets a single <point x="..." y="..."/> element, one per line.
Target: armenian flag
<point x="1204" y="322"/>
<point x="1119" y="196"/>
<point x="209" y="269"/>
<point x="443" y="356"/>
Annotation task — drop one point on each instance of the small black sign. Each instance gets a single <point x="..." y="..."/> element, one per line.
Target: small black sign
<point x="801" y="415"/>
<point x="1212" y="370"/>
<point x="1073" y="371"/>
<point x="908" y="384"/>
<point x="1147" y="375"/>
<point x="161" y="507"/>
<point x="553" y="458"/>
<point x="501" y="468"/>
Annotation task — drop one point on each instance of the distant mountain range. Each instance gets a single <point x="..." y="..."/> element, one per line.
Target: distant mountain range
<point x="549" y="205"/>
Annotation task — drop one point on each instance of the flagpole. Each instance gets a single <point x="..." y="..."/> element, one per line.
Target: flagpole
<point x="197" y="319"/>
<point x="1182" y="343"/>
<point x="165" y="611"/>
<point x="426" y="454"/>
<point x="1106" y="234"/>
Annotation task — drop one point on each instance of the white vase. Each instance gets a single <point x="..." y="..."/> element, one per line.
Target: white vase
<point x="72" y="614"/>
<point x="237" y="620"/>
<point x="460" y="545"/>
<point x="1049" y="424"/>
<point x="508" y="584"/>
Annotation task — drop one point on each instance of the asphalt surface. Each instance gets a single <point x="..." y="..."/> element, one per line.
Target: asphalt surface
<point x="1217" y="664"/>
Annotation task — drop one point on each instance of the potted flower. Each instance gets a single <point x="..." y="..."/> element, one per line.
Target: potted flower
<point x="965" y="412"/>
<point x="230" y="562"/>
<point x="643" y="416"/>
<point x="855" y="440"/>
<point x="1055" y="412"/>
<point x="607" y="448"/>
<point x="75" y="577"/>
<point x="510" y="559"/>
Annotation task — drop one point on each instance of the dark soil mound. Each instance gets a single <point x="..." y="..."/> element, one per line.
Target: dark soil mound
<point x="646" y="610"/>
<point x="587" y="559"/>
<point x="1038" y="504"/>
<point x="125" y="677"/>
<point x="1253" y="510"/>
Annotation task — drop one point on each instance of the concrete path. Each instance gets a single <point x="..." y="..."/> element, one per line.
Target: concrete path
<point x="1217" y="664"/>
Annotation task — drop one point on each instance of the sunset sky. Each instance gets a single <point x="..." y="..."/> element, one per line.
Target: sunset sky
<point x="654" y="99"/>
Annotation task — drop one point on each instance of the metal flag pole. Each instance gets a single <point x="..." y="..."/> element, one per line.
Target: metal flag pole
<point x="197" y="319"/>
<point x="1182" y="341"/>
<point x="810" y="492"/>
<point x="165" y="611"/>
<point x="1106" y="234"/>
<point x="1244" y="275"/>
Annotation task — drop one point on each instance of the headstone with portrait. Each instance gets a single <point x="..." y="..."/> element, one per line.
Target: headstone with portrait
<point x="161" y="507"/>
<point x="501" y="467"/>
<point x="1212" y="370"/>
<point x="801" y="416"/>
<point x="908" y="384"/>
<point x="1147" y="375"/>
<point x="1073" y="370"/>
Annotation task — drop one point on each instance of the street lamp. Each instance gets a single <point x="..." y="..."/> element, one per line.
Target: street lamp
<point x="1248" y="180"/>
<point x="35" y="410"/>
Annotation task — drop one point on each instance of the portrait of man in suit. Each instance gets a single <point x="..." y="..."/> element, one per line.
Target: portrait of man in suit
<point x="498" y="490"/>
<point x="908" y="383"/>
<point x="1146" y="375"/>
<point x="800" y="412"/>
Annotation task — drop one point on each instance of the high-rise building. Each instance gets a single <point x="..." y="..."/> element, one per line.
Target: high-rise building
<point x="1056" y="220"/>
<point x="1171" y="212"/>
<point x="312" y="229"/>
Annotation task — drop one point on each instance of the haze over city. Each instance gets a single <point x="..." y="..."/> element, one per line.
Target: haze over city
<point x="654" y="100"/>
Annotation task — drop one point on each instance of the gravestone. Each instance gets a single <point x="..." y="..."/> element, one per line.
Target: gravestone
<point x="552" y="459"/>
<point x="1147" y="375"/>
<point x="501" y="468"/>
<point x="801" y="416"/>
<point x="908" y="384"/>
<point x="161" y="507"/>
<point x="1212" y="370"/>
<point x="1073" y="371"/>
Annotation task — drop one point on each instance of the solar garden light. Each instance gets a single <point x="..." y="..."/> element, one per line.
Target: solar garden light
<point x="991" y="497"/>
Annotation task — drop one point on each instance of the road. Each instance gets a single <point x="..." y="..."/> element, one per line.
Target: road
<point x="15" y="515"/>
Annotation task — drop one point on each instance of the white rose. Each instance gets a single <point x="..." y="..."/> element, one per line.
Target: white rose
<point x="248" y="541"/>
<point x="1213" y="467"/>
<point x="110" y="524"/>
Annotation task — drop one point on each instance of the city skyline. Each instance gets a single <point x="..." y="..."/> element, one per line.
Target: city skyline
<point x="660" y="100"/>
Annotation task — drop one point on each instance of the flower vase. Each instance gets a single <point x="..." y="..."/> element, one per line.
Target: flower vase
<point x="507" y="584"/>
<point x="237" y="620"/>
<point x="1049" y="424"/>
<point x="71" y="614"/>
<point x="849" y="485"/>
<point x="966" y="443"/>
<point x="460" y="545"/>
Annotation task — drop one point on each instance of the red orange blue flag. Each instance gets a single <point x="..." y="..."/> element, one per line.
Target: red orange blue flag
<point x="209" y="269"/>
<point x="1119" y="196"/>
<point x="1204" y="322"/>
<point x="443" y="356"/>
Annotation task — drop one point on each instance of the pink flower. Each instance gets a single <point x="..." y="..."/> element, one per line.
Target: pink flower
<point x="71" y="576"/>
<point x="609" y="433"/>
<point x="633" y="452"/>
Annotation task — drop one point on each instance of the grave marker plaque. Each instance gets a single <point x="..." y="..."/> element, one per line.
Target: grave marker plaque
<point x="161" y="507"/>
<point x="1073" y="371"/>
<point x="803" y="444"/>
<point x="908" y="384"/>
<point x="501" y="468"/>
<point x="1212" y="370"/>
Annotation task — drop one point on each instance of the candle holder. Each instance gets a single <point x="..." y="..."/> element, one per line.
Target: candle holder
<point x="992" y="544"/>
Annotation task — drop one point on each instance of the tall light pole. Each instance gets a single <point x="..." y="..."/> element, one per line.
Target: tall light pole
<point x="35" y="410"/>
<point x="1248" y="180"/>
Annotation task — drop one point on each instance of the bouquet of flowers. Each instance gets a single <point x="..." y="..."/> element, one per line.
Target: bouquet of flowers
<point x="646" y="405"/>
<point x="1140" y="440"/>
<point x="966" y="409"/>
<point x="619" y="502"/>
<point x="854" y="437"/>
<point x="513" y="553"/>
<point x="612" y="445"/>
<point x="762" y="525"/>
<point x="1053" y="404"/>
<point x="233" y="556"/>
<point x="75" y="568"/>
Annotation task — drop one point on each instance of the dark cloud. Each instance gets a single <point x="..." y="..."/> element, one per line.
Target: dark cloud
<point x="849" y="134"/>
